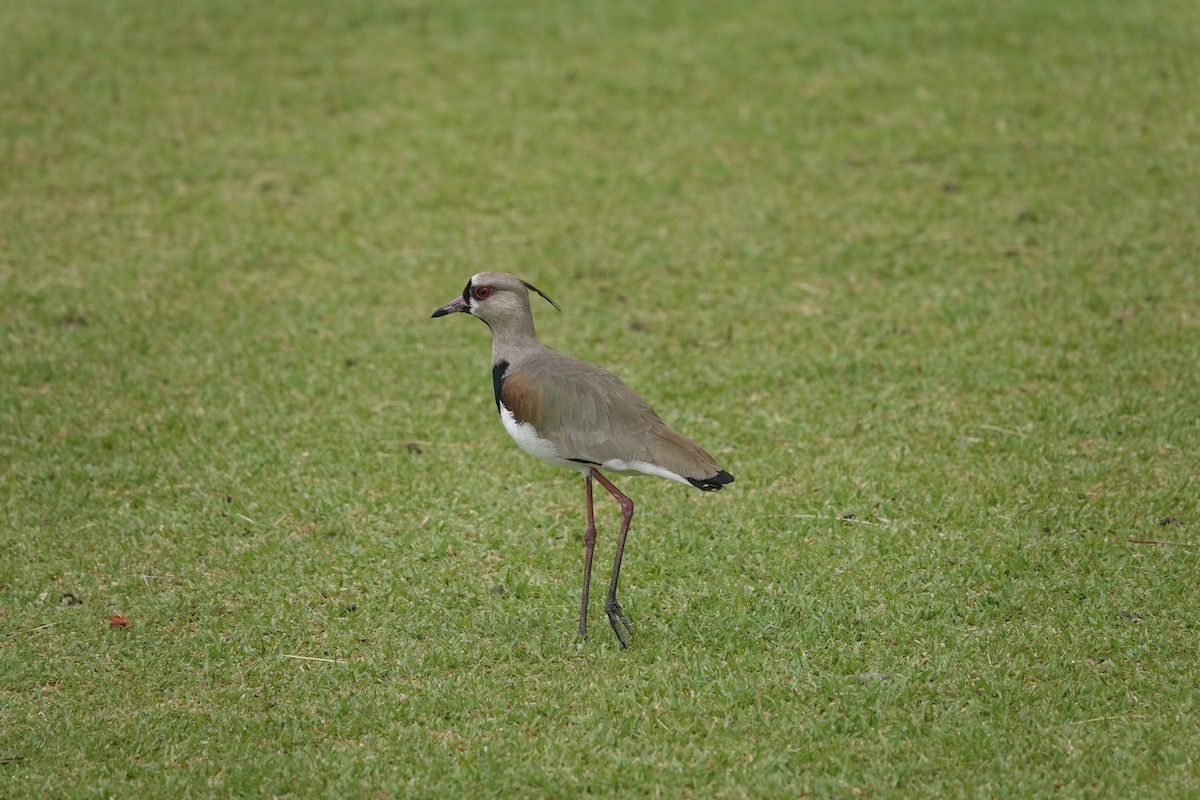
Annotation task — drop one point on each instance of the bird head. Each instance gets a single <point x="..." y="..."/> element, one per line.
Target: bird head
<point x="493" y="297"/>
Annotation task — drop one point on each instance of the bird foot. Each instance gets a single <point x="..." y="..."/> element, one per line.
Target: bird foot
<point x="617" y="618"/>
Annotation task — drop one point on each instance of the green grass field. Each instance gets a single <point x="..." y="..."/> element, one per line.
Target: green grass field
<point x="922" y="274"/>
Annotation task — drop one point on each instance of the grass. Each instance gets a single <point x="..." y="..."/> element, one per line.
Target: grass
<point x="921" y="274"/>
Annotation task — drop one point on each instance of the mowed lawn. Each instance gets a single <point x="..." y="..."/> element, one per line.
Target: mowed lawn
<point x="922" y="274"/>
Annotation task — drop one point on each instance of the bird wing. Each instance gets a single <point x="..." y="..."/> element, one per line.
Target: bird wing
<point x="590" y="415"/>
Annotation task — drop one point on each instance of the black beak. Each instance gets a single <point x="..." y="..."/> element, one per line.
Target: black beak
<point x="457" y="304"/>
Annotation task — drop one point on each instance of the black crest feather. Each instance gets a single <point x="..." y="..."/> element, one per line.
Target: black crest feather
<point x="533" y="288"/>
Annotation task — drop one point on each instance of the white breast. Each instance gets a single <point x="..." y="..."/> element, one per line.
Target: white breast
<point x="526" y="437"/>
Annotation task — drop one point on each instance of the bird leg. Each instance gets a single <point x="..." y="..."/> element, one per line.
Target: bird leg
<point x="589" y="547"/>
<point x="616" y="616"/>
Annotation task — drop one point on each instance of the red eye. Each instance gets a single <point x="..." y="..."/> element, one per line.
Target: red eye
<point x="482" y="292"/>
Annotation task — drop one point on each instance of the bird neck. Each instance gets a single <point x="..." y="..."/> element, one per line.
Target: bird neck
<point x="511" y="342"/>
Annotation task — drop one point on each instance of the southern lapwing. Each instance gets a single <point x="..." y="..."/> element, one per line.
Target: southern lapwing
<point x="576" y="415"/>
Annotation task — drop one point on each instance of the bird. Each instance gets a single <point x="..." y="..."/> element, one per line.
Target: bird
<point x="574" y="414"/>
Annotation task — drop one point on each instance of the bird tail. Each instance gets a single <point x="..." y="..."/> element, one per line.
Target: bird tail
<point x="714" y="484"/>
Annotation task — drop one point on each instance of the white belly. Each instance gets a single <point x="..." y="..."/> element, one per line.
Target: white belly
<point x="528" y="440"/>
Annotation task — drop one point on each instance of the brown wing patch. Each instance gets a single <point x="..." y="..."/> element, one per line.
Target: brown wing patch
<point x="518" y="396"/>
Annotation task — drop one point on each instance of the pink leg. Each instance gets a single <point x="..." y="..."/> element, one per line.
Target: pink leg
<point x="589" y="547"/>
<point x="616" y="616"/>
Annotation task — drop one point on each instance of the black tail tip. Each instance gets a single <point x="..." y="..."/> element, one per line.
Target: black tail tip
<point x="714" y="484"/>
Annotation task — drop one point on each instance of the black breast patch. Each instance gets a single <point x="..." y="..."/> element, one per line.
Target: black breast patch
<point x="498" y="370"/>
